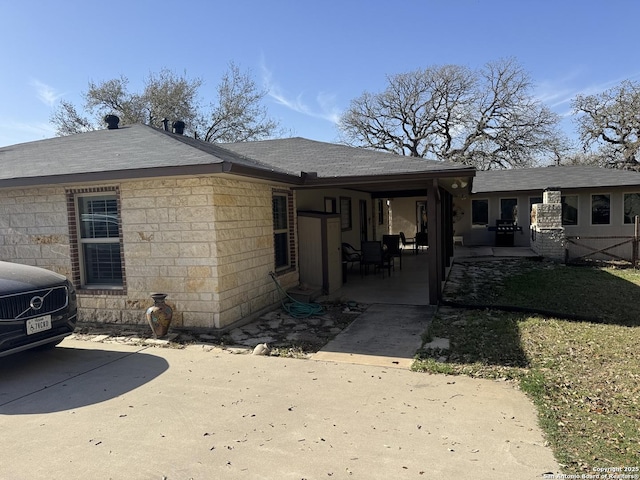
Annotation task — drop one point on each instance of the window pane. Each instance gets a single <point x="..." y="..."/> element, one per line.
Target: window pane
<point x="509" y="209"/>
<point x="102" y="263"/>
<point x="480" y="212"/>
<point x="280" y="220"/>
<point x="281" y="241"/>
<point x="281" y="230"/>
<point x="631" y="207"/>
<point x="569" y="210"/>
<point x="533" y="201"/>
<point x="98" y="217"/>
<point x="600" y="209"/>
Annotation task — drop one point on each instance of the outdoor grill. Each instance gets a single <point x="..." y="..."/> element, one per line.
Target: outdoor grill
<point x="505" y="231"/>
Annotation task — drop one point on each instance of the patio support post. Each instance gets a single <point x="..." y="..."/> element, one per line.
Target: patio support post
<point x="434" y="232"/>
<point x="447" y="238"/>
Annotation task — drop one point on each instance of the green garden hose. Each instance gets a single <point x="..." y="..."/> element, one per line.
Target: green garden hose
<point x="296" y="308"/>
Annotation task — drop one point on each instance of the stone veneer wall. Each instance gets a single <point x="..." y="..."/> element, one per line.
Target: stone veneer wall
<point x="205" y="241"/>
<point x="244" y="250"/>
<point x="33" y="228"/>
<point x="547" y="232"/>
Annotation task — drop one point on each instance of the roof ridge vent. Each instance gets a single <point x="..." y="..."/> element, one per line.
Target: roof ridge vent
<point x="112" y="121"/>
<point x="178" y="127"/>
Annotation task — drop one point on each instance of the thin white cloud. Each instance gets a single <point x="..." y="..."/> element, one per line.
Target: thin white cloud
<point x="558" y="93"/>
<point x="46" y="94"/>
<point x="328" y="104"/>
<point x="16" y="131"/>
<point x="325" y="108"/>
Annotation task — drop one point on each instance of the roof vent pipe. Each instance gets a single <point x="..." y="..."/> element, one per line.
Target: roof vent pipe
<point x="178" y="127"/>
<point x="112" y="121"/>
<point x="165" y="124"/>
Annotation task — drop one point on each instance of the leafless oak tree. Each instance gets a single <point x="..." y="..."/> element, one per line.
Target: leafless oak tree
<point x="238" y="115"/>
<point x="609" y="123"/>
<point x="486" y="118"/>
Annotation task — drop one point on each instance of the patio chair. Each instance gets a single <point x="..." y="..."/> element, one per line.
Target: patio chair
<point x="422" y="240"/>
<point x="350" y="254"/>
<point x="407" y="241"/>
<point x="373" y="254"/>
<point x="392" y="244"/>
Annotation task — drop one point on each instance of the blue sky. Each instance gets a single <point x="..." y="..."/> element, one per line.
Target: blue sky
<point x="312" y="57"/>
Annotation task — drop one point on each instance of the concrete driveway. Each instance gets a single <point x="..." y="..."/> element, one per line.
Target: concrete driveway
<point x="114" y="411"/>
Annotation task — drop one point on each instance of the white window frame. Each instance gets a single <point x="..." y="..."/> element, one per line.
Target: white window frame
<point x="480" y="225"/>
<point x="516" y="205"/>
<point x="591" y="210"/>
<point x="282" y="231"/>
<point x="563" y="203"/>
<point x="82" y="241"/>
<point x="623" y="207"/>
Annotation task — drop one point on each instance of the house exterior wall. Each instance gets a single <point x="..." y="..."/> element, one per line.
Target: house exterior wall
<point x="33" y="228"/>
<point x="480" y="235"/>
<point x="616" y="227"/>
<point x="314" y="200"/>
<point x="205" y="241"/>
<point x="403" y="217"/>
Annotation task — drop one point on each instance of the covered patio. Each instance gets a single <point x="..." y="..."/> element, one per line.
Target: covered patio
<point x="410" y="286"/>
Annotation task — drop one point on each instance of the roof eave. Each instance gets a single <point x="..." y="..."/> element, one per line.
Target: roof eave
<point x="258" y="173"/>
<point x="313" y="181"/>
<point x="107" y="176"/>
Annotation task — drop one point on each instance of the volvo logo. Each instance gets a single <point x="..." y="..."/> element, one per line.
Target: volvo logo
<point x="36" y="303"/>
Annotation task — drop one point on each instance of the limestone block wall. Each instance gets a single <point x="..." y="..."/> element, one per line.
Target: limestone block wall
<point x="168" y="236"/>
<point x="244" y="250"/>
<point x="33" y="228"/>
<point x="206" y="241"/>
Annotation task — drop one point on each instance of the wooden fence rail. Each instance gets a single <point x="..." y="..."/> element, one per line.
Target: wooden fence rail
<point x="586" y="247"/>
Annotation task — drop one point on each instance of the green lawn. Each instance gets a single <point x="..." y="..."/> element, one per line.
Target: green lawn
<point x="580" y="366"/>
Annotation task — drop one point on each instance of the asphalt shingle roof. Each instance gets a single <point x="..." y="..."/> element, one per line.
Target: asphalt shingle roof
<point x="565" y="177"/>
<point x="126" y="148"/>
<point x="139" y="147"/>
<point x="329" y="160"/>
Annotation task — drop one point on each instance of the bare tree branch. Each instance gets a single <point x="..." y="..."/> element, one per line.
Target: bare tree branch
<point x="609" y="123"/>
<point x="237" y="116"/>
<point x="485" y="118"/>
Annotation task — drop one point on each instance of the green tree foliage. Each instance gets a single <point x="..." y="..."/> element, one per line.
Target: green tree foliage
<point x="609" y="125"/>
<point x="486" y="118"/>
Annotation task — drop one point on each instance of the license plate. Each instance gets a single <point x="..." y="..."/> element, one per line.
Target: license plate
<point x="38" y="324"/>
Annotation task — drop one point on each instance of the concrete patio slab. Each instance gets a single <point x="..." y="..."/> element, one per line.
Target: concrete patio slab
<point x="383" y="335"/>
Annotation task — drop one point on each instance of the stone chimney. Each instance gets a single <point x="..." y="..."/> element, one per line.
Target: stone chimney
<point x="547" y="232"/>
